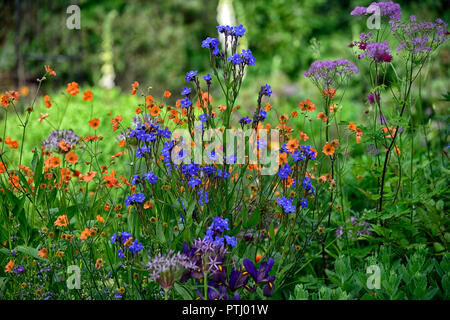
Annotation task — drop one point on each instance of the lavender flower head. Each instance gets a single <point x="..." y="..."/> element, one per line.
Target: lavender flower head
<point x="420" y="37"/>
<point x="330" y="73"/>
<point x="51" y="143"/>
<point x="389" y="9"/>
<point x="168" y="268"/>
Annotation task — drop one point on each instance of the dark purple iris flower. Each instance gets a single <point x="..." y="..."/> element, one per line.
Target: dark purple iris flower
<point x="261" y="276"/>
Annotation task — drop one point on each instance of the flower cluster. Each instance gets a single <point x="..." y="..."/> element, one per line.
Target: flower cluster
<point x="389" y="9"/>
<point x="420" y="37"/>
<point x="168" y="268"/>
<point x="61" y="140"/>
<point x="215" y="233"/>
<point x="330" y="73"/>
<point x="125" y="240"/>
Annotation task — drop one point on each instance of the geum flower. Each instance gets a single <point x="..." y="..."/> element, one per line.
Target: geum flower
<point x="261" y="276"/>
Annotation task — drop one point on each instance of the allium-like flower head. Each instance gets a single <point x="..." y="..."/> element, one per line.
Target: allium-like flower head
<point x="330" y="73"/>
<point x="168" y="268"/>
<point x="56" y="136"/>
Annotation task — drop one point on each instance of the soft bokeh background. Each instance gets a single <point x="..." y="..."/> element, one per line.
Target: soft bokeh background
<point x="157" y="42"/>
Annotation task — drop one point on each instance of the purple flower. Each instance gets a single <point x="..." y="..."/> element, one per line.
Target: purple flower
<point x="330" y="73"/>
<point x="389" y="9"/>
<point x="378" y="52"/>
<point x="261" y="275"/>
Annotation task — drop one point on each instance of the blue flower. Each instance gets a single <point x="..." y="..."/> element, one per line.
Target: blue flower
<point x="135" y="198"/>
<point x="245" y="120"/>
<point x="135" y="179"/>
<point x="186" y="91"/>
<point x="203" y="197"/>
<point x="120" y="254"/>
<point x="185" y="103"/>
<point x="135" y="247"/>
<point x="113" y="238"/>
<point x="212" y="44"/>
<point x="248" y="57"/>
<point x="203" y="117"/>
<point x="193" y="182"/>
<point x="266" y="90"/>
<point x="207" y="78"/>
<point x="304" y="203"/>
<point x="151" y="177"/>
<point x="235" y="59"/>
<point x="231" y="241"/>
<point x="239" y="31"/>
<point x="190" y="75"/>
<point x="262" y="114"/>
<point x="286" y="204"/>
<point x="285" y="171"/>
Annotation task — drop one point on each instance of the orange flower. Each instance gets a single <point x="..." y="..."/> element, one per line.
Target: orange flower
<point x="334" y="142"/>
<point x="322" y="116"/>
<point x="307" y="105"/>
<point x="149" y="100"/>
<point x="85" y="234"/>
<point x="352" y="126"/>
<point x="138" y="110"/>
<point x="42" y="117"/>
<point x="222" y="108"/>
<point x="100" y="219"/>
<point x="88" y="95"/>
<point x="13" y="144"/>
<point x="321" y="179"/>
<point x="267" y="107"/>
<point x="258" y="258"/>
<point x="72" y="88"/>
<point x="116" y="122"/>
<point x="359" y="134"/>
<point x="43" y="253"/>
<point x="118" y="154"/>
<point x="292" y="145"/>
<point x="47" y="101"/>
<point x="134" y="86"/>
<point x="303" y="136"/>
<point x="89" y="176"/>
<point x="5" y="101"/>
<point x="328" y="149"/>
<point x="397" y="150"/>
<point x="330" y="92"/>
<point x="122" y="143"/>
<point x="52" y="162"/>
<point x="64" y="146"/>
<point x="333" y="108"/>
<point x="167" y="94"/>
<point x="294" y="114"/>
<point x="62" y="221"/>
<point x="390" y="130"/>
<point x="148" y="205"/>
<point x="9" y="266"/>
<point x="2" y="168"/>
<point x="72" y="157"/>
<point x="94" y="123"/>
<point x="154" y="111"/>
<point x="49" y="70"/>
<point x="111" y="180"/>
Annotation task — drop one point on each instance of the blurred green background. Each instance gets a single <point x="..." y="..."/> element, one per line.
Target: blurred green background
<point x="157" y="42"/>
